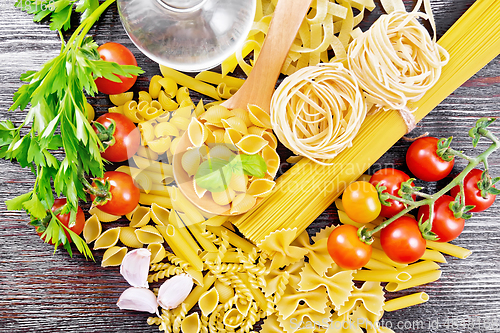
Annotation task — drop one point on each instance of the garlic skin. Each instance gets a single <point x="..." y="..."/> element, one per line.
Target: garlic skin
<point x="135" y="267"/>
<point x="174" y="291"/>
<point x="138" y="299"/>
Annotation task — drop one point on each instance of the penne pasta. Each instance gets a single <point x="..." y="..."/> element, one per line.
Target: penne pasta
<point x="433" y="255"/>
<point x="196" y="230"/>
<point x="448" y="248"/>
<point x="381" y="276"/>
<point x="190" y="82"/>
<point x="420" y="267"/>
<point x="416" y="280"/>
<point x="405" y="301"/>
<point x="149" y="199"/>
<point x="234" y="239"/>
<point x="217" y="78"/>
<point x="378" y="265"/>
<point x="180" y="246"/>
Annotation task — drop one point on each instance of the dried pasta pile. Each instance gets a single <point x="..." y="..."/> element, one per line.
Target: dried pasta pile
<point x="396" y="62"/>
<point x="329" y="27"/>
<point x="317" y="111"/>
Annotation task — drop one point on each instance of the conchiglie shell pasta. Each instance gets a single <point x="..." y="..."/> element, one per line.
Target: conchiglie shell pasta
<point x="180" y="122"/>
<point x="256" y="130"/>
<point x="107" y="239"/>
<point x="243" y="114"/>
<point x="259" y="117"/>
<point x="148" y="234"/>
<point x="200" y="192"/>
<point x="191" y="160"/>
<point x="222" y="152"/>
<point x="102" y="216"/>
<point x="129" y="238"/>
<point x="191" y="324"/>
<point x="215" y="114"/>
<point x="197" y="133"/>
<point x="233" y="318"/>
<point x="219" y="135"/>
<point x="225" y="292"/>
<point x="92" y="229"/>
<point x="129" y="215"/>
<point x="242" y="203"/>
<point x="251" y="144"/>
<point x="271" y="139"/>
<point x="140" y="217"/>
<point x="235" y="123"/>
<point x="232" y="137"/>
<point x="243" y="306"/>
<point x="113" y="256"/>
<point x="261" y="187"/>
<point x="272" y="160"/>
<point x="208" y="301"/>
<point x="166" y="129"/>
<point x="157" y="252"/>
<point x="159" y="214"/>
<point x="239" y="182"/>
<point x="223" y="198"/>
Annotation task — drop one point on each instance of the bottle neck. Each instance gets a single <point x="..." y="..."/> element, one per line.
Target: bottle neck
<point x="182" y="5"/>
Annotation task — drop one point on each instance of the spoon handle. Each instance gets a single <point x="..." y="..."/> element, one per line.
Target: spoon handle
<point x="259" y="86"/>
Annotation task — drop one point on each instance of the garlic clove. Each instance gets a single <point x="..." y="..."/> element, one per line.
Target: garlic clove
<point x="138" y="299"/>
<point x="174" y="291"/>
<point x="135" y="267"/>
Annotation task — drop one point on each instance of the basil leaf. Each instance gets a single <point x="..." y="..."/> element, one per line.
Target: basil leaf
<point x="253" y="165"/>
<point x="214" y="175"/>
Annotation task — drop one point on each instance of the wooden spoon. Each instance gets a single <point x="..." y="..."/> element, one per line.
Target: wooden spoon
<point x="258" y="88"/>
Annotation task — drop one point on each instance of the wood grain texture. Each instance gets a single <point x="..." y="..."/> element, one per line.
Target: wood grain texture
<point x="45" y="292"/>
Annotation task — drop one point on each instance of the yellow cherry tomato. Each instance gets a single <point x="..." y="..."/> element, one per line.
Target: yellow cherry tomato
<point x="361" y="203"/>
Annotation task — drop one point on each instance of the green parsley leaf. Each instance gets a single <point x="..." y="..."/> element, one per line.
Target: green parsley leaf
<point x="17" y="202"/>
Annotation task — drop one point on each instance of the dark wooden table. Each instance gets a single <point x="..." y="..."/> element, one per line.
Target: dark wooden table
<point x="42" y="291"/>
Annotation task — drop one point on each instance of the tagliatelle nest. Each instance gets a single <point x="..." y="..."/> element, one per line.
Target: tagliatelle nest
<point x="396" y="62"/>
<point x="317" y="111"/>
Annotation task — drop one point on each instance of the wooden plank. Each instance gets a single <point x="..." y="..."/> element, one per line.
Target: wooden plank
<point x="45" y="292"/>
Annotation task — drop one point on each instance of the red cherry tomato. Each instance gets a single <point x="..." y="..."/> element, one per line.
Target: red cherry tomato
<point x="423" y="162"/>
<point x="361" y="203"/>
<point x="127" y="137"/>
<point x="346" y="249"/>
<point x="124" y="194"/>
<point x="64" y="218"/>
<point x="473" y="195"/>
<point x="445" y="225"/>
<point x="402" y="240"/>
<point x="392" y="179"/>
<point x="114" y="52"/>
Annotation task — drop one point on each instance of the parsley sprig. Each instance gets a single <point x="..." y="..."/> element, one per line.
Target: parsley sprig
<point x="56" y="95"/>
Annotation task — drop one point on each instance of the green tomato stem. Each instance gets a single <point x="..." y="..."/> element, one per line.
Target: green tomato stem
<point x="430" y="199"/>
